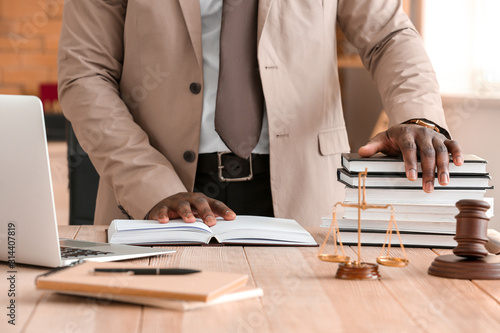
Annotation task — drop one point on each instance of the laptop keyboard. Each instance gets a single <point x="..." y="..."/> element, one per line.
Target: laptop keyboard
<point x="73" y="252"/>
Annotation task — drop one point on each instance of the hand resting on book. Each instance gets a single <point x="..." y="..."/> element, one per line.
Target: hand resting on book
<point x="409" y="140"/>
<point x="188" y="206"/>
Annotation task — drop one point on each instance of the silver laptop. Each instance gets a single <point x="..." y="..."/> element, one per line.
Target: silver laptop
<point x="28" y="226"/>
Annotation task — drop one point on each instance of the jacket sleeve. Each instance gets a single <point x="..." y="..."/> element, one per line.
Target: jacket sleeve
<point x="89" y="69"/>
<point x="392" y="50"/>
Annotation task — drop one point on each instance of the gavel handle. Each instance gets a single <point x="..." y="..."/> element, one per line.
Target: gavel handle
<point x="493" y="245"/>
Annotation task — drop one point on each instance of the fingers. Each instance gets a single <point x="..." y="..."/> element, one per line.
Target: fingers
<point x="434" y="158"/>
<point x="159" y="213"/>
<point x="375" y="145"/>
<point x="204" y="210"/>
<point x="442" y="161"/>
<point x="162" y="215"/>
<point x="428" y="162"/>
<point x="456" y="152"/>
<point x="183" y="209"/>
<point x="209" y="208"/>
<point x="220" y="209"/>
<point x="414" y="140"/>
<point x="409" y="151"/>
<point x="186" y="205"/>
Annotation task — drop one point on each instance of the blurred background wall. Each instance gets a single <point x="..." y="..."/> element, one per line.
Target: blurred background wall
<point x="29" y="34"/>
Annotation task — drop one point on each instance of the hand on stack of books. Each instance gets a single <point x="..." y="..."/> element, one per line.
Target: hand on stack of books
<point x="423" y="219"/>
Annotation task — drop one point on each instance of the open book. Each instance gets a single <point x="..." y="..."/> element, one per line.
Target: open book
<point x="254" y="230"/>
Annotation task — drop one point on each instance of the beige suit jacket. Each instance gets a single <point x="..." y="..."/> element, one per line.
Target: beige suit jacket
<point x="126" y="73"/>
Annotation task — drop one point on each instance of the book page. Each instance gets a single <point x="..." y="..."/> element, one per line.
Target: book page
<point x="261" y="230"/>
<point x="153" y="232"/>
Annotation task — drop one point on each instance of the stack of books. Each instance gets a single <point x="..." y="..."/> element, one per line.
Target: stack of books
<point x="423" y="219"/>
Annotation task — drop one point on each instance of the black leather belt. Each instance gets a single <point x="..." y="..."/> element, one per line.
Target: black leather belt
<point x="231" y="168"/>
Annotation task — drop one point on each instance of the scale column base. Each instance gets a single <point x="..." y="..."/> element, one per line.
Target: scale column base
<point x="358" y="271"/>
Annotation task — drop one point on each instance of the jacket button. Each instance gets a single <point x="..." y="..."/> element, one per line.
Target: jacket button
<point x="195" y="88"/>
<point x="189" y="156"/>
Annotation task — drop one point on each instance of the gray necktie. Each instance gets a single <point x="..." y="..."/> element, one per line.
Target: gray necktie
<point x="240" y="101"/>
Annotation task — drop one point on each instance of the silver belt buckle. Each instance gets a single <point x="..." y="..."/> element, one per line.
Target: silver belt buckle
<point x="220" y="166"/>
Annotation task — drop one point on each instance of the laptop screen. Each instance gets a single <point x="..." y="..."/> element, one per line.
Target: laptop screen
<point x="28" y="224"/>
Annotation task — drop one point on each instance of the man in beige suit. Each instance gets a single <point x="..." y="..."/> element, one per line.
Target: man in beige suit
<point x="134" y="81"/>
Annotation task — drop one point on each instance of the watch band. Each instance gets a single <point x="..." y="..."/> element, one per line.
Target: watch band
<point x="424" y="123"/>
<point x="430" y="125"/>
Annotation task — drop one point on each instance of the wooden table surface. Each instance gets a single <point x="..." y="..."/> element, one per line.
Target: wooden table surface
<point x="300" y="295"/>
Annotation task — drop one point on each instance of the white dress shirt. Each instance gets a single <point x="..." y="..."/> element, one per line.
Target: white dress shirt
<point x="210" y="142"/>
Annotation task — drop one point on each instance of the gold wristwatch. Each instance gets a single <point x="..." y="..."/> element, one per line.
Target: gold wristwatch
<point x="430" y="125"/>
<point x="424" y="123"/>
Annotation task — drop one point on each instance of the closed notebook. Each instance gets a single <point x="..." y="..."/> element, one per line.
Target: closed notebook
<point x="374" y="180"/>
<point x="380" y="163"/>
<point x="403" y="226"/>
<point x="414" y="196"/>
<point x="203" y="286"/>
<point x="428" y="240"/>
<point x="174" y="304"/>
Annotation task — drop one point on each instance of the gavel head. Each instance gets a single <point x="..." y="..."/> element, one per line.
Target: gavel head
<point x="472" y="225"/>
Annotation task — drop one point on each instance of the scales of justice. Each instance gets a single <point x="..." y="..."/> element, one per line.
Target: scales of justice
<point x="358" y="269"/>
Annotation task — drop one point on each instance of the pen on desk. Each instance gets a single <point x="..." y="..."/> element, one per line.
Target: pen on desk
<point x="147" y="271"/>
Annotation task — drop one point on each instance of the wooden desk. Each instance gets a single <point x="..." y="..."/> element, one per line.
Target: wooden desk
<point x="300" y="295"/>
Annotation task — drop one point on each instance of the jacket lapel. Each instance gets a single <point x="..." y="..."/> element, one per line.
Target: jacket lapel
<point x="264" y="7"/>
<point x="192" y="17"/>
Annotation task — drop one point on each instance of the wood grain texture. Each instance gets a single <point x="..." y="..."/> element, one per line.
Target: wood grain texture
<point x="81" y="314"/>
<point x="59" y="313"/>
<point x="26" y="295"/>
<point x="230" y="317"/>
<point x="356" y="303"/>
<point x="94" y="233"/>
<point x="300" y="295"/>
<point x="434" y="303"/>
<point x="68" y="231"/>
<point x="292" y="291"/>
<point x="492" y="288"/>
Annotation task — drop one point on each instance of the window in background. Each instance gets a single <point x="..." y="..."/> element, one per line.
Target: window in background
<point x="462" y="38"/>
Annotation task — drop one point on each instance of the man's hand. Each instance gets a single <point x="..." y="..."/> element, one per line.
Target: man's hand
<point x="408" y="139"/>
<point x="188" y="206"/>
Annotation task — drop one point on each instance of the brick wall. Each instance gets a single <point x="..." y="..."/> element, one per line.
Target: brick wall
<point x="29" y="35"/>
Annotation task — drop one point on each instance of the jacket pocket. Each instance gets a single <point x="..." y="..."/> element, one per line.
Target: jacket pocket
<point x="333" y="141"/>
